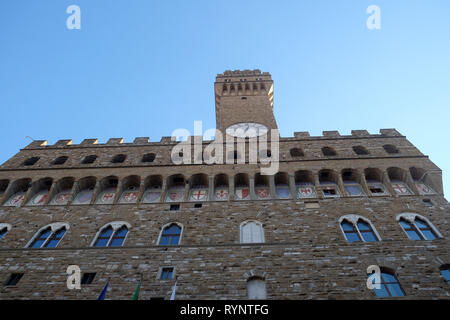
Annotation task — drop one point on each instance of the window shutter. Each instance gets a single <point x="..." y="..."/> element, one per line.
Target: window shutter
<point x="256" y="289"/>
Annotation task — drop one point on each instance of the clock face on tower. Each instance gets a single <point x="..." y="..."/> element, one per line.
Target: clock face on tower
<point x="247" y="130"/>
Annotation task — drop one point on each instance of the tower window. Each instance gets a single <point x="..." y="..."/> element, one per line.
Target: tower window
<point x="30" y="161"/>
<point x="149" y="157"/>
<point x="120" y="158"/>
<point x="60" y="160"/>
<point x="89" y="159"/>
<point x="360" y="150"/>
<point x="297" y="152"/>
<point x="391" y="149"/>
<point x="328" y="152"/>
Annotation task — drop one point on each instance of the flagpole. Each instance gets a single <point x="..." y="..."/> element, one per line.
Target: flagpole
<point x="172" y="297"/>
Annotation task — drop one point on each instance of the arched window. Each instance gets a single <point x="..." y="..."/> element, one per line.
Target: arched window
<point x="112" y="235"/>
<point x="49" y="236"/>
<point x="389" y="284"/>
<point x="170" y="235"/>
<point x="418" y="227"/>
<point x="445" y="271"/>
<point x="256" y="288"/>
<point x="252" y="232"/>
<point x="4" y="228"/>
<point x="356" y="229"/>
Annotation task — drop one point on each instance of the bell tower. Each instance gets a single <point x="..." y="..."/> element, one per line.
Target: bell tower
<point x="244" y="98"/>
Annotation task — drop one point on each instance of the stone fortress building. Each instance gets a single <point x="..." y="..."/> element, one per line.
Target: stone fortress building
<point x="124" y="212"/>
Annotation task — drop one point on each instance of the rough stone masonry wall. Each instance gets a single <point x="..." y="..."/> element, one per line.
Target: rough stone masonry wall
<point x="305" y="254"/>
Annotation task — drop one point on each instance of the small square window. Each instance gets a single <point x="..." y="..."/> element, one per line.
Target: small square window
<point x="329" y="192"/>
<point x="197" y="205"/>
<point x="13" y="279"/>
<point x="88" y="278"/>
<point x="376" y="190"/>
<point x="166" y="273"/>
<point x="174" y="207"/>
<point x="427" y="202"/>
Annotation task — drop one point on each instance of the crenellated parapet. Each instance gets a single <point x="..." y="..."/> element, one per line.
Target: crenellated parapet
<point x="142" y="141"/>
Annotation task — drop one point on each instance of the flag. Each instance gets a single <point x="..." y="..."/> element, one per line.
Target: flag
<point x="136" y="293"/>
<point x="103" y="293"/>
<point x="172" y="297"/>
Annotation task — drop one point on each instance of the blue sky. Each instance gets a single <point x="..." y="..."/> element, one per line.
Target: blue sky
<point x="145" y="68"/>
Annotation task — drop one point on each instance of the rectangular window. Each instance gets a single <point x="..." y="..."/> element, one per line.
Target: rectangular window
<point x="174" y="207"/>
<point x="87" y="278"/>
<point x="198" y="205"/>
<point x="329" y="192"/>
<point x="376" y="190"/>
<point x="166" y="273"/>
<point x="13" y="279"/>
<point x="427" y="203"/>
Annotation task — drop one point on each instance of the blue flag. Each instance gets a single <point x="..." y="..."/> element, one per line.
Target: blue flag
<point x="103" y="293"/>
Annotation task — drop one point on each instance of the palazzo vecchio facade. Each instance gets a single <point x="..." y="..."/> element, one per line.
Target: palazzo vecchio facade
<point x="124" y="212"/>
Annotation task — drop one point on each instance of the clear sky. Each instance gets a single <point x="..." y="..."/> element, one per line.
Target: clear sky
<point x="145" y="68"/>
